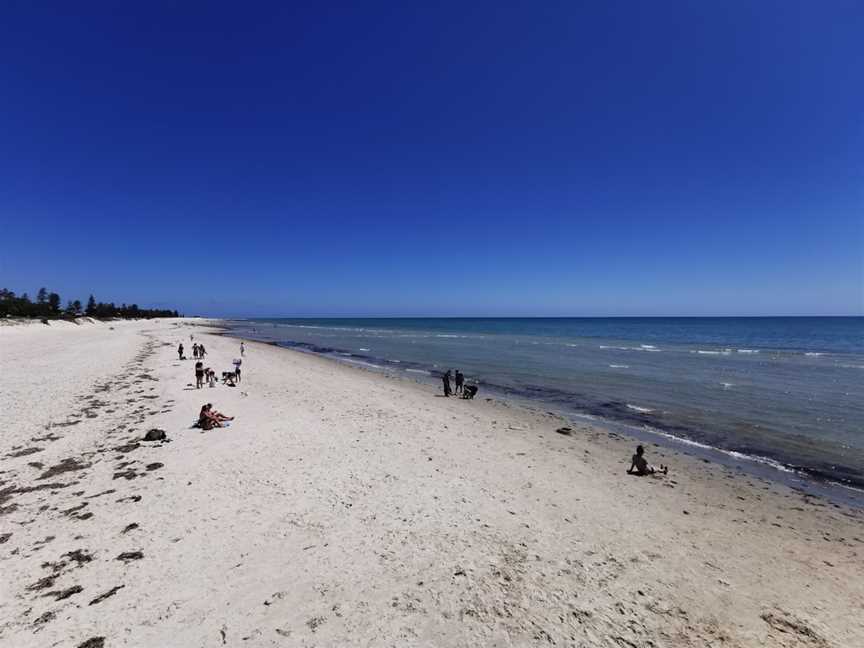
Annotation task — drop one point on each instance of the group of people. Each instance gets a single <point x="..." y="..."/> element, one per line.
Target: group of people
<point x="209" y="418"/>
<point x="206" y="374"/>
<point x="198" y="351"/>
<point x="463" y="390"/>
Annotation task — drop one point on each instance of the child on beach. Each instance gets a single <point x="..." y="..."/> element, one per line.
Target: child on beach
<point x="639" y="466"/>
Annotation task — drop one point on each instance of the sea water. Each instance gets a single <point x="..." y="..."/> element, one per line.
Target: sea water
<point x="787" y="391"/>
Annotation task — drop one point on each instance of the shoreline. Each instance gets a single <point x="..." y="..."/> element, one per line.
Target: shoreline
<point x="808" y="480"/>
<point x="343" y="508"/>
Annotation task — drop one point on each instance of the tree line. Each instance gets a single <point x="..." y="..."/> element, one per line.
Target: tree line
<point x="49" y="305"/>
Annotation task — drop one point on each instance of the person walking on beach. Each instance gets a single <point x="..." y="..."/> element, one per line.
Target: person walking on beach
<point x="201" y="351"/>
<point x="180" y="352"/>
<point x="446" y="379"/>
<point x="195" y="351"/>
<point x="460" y="380"/>
<point x="242" y="349"/>
<point x="199" y="375"/>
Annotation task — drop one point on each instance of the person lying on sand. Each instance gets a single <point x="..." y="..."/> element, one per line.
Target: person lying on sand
<point x="639" y="466"/>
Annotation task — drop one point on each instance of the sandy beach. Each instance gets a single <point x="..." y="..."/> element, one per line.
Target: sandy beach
<point x="344" y="507"/>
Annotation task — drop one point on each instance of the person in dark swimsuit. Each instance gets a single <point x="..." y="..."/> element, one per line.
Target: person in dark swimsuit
<point x="446" y="379"/>
<point x="199" y="374"/>
<point x="639" y="466"/>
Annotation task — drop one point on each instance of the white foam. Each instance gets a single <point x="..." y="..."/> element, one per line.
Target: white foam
<point x="644" y="347"/>
<point x="813" y="354"/>
<point x="705" y="352"/>
<point x="619" y="366"/>
<point x="731" y="453"/>
<point x="364" y="349"/>
<point x="748" y="351"/>
<point x="420" y="371"/>
<point x="364" y="364"/>
<point x="727" y="385"/>
<point x="636" y="408"/>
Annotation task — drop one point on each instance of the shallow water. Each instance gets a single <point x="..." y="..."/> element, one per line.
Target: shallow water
<point x="786" y="391"/>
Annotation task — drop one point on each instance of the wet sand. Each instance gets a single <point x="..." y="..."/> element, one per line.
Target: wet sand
<point x="343" y="507"/>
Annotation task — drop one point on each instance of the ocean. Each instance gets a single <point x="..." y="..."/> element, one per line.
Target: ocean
<point x="783" y="392"/>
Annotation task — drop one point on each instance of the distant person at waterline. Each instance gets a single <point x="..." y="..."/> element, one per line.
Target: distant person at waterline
<point x="180" y="352"/>
<point x="460" y="381"/>
<point x="242" y="349"/>
<point x="639" y="466"/>
<point x="446" y="379"/>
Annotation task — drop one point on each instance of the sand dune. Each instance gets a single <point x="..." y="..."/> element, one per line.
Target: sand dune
<point x="343" y="507"/>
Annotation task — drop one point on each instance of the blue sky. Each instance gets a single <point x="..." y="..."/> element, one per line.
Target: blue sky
<point x="573" y="158"/>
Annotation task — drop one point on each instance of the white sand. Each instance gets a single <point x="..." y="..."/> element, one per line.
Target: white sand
<point x="346" y="508"/>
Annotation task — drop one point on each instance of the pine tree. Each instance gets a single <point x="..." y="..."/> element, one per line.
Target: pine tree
<point x="42" y="296"/>
<point x="91" y="306"/>
<point x="54" y="303"/>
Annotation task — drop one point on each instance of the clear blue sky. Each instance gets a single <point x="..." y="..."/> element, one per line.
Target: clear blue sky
<point x="465" y="158"/>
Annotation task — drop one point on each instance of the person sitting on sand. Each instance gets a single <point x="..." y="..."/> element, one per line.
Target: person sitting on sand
<point x="210" y="418"/>
<point x="219" y="416"/>
<point x="206" y="420"/>
<point x="639" y="466"/>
